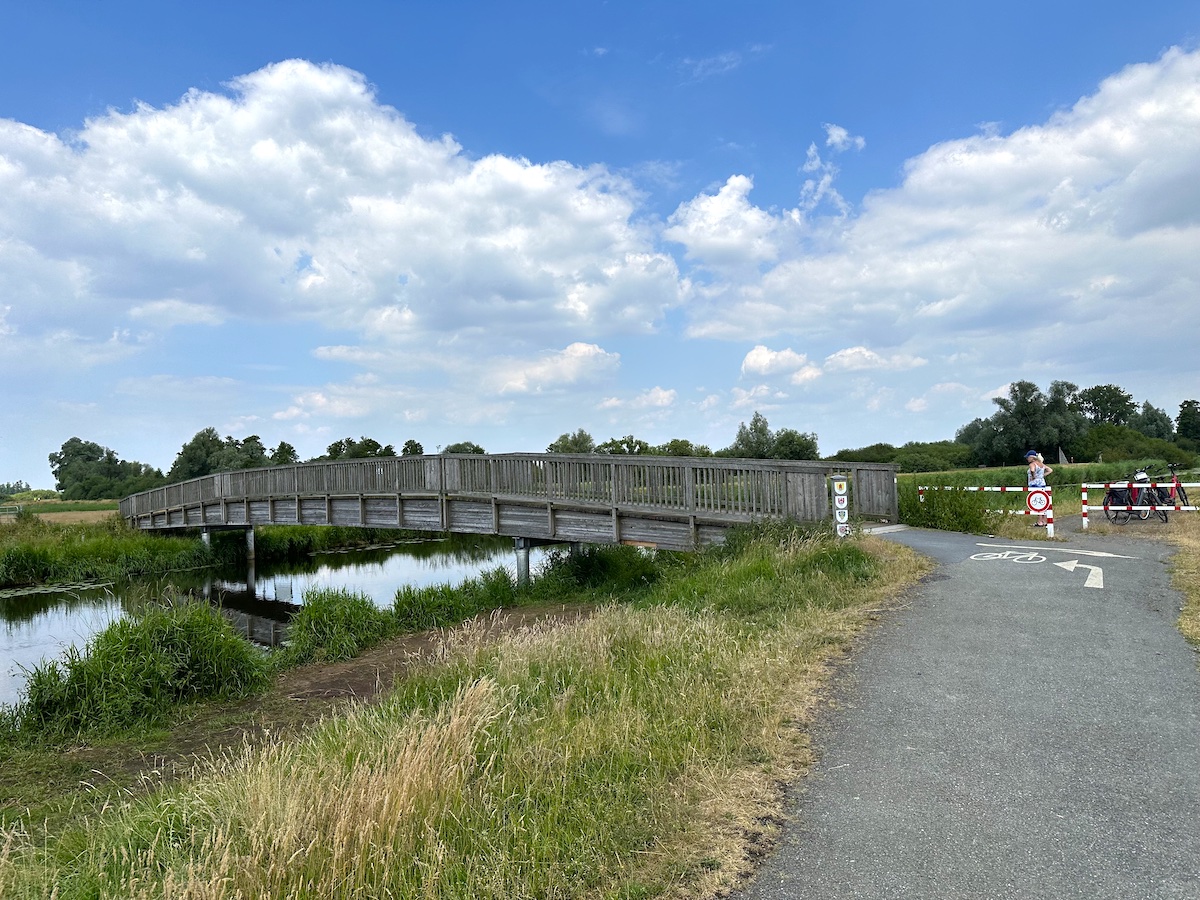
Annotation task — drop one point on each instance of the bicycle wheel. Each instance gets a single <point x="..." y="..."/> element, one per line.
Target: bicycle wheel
<point x="1111" y="499"/>
<point x="1116" y="497"/>
<point x="1143" y="499"/>
<point x="1182" y="495"/>
<point x="1160" y="499"/>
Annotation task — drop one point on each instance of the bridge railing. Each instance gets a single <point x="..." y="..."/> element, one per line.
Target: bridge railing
<point x="704" y="486"/>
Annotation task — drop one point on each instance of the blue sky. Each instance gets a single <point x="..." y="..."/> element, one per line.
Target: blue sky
<point x="502" y="222"/>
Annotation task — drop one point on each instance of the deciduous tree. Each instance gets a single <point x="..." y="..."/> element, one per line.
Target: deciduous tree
<point x="1107" y="403"/>
<point x="1187" y="423"/>
<point x="83" y="470"/>
<point x="363" y="448"/>
<point x="792" y="444"/>
<point x="625" y="446"/>
<point x="579" y="442"/>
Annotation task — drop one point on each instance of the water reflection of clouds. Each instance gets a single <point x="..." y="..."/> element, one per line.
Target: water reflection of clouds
<point x="381" y="580"/>
<point x="30" y="640"/>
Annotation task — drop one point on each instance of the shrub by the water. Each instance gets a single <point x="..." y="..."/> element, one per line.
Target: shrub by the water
<point x="611" y="569"/>
<point x="616" y="568"/>
<point x="335" y="624"/>
<point x="137" y="671"/>
<point x="435" y="606"/>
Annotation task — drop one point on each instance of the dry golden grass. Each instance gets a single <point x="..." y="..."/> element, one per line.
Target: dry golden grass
<point x="77" y="517"/>
<point x="1185" y="567"/>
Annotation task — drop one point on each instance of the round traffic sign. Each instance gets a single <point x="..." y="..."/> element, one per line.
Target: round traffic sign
<point x="1038" y="501"/>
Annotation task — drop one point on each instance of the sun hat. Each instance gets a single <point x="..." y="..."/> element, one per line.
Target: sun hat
<point x="1031" y="453"/>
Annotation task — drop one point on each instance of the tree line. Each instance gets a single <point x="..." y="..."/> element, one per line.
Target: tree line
<point x="756" y="440"/>
<point x="85" y="470"/>
<point x="1099" y="423"/>
<point x="1103" y="422"/>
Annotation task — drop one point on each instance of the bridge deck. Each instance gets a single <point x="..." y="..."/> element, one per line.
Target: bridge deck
<point x="669" y="502"/>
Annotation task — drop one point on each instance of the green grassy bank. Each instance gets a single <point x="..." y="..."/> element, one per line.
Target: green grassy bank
<point x="37" y="552"/>
<point x="34" y="551"/>
<point x="636" y="753"/>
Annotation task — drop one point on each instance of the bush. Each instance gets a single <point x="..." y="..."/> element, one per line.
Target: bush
<point x="619" y="568"/>
<point x="947" y="510"/>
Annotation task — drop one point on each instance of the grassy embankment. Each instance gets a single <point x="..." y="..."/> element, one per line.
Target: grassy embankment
<point x="33" y="551"/>
<point x="637" y="753"/>
<point x="1184" y="533"/>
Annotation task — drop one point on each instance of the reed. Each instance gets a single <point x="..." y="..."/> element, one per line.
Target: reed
<point x="37" y="552"/>
<point x="334" y="624"/>
<point x="636" y="753"/>
<point x="137" y="672"/>
<point x="435" y="606"/>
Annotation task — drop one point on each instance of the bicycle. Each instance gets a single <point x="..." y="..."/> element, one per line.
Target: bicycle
<point x="1128" y="496"/>
<point x="1174" y="497"/>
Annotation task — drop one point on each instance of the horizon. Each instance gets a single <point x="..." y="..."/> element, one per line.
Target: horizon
<point x="501" y="225"/>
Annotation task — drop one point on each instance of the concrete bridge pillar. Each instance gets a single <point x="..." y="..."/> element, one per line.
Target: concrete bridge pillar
<point x="250" y="586"/>
<point x="522" y="546"/>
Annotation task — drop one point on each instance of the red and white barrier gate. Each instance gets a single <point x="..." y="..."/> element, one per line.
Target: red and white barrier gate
<point x="1040" y="501"/>
<point x="1165" y="485"/>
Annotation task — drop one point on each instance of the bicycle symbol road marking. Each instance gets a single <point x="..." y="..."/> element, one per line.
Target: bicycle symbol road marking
<point x="1028" y="556"/>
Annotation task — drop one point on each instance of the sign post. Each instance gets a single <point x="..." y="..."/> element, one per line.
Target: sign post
<point x="1040" y="503"/>
<point x="840" y="486"/>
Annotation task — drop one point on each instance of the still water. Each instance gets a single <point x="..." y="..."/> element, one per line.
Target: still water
<point x="42" y="624"/>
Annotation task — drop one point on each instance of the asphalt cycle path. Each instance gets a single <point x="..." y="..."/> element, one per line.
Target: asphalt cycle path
<point x="1025" y="725"/>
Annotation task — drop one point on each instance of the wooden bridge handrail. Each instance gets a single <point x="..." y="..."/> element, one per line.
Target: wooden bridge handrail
<point x="699" y="485"/>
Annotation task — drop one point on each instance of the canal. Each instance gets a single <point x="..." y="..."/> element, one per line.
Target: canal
<point x="42" y="623"/>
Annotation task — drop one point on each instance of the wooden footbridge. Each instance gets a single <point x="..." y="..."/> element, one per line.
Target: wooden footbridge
<point x="672" y="503"/>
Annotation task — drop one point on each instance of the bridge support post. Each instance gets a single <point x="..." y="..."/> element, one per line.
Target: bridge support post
<point x="522" y="545"/>
<point x="206" y="537"/>
<point x="250" y="579"/>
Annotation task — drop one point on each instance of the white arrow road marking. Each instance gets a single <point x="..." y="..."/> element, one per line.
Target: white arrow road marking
<point x="1095" y="578"/>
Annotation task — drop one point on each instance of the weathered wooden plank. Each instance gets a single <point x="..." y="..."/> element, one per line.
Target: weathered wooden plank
<point x="469" y="516"/>
<point x="381" y="512"/>
<point x="422" y="515"/>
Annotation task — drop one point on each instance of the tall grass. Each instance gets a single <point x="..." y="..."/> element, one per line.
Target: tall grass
<point x="37" y="552"/>
<point x="334" y="624"/>
<point x="630" y="755"/>
<point x="435" y="606"/>
<point x="136" y="673"/>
